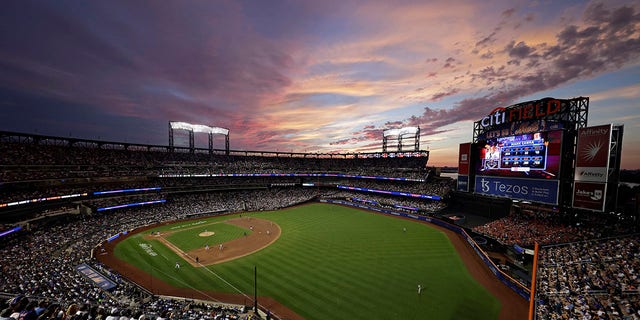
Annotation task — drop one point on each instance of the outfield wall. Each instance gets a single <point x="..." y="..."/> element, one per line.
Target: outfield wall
<point x="503" y="277"/>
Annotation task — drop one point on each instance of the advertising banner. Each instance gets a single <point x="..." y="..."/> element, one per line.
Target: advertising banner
<point x="463" y="158"/>
<point x="589" y="195"/>
<point x="592" y="158"/>
<point x="463" y="183"/>
<point x="535" y="190"/>
<point x="98" y="278"/>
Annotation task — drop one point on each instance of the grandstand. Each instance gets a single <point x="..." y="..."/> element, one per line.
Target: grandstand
<point x="61" y="197"/>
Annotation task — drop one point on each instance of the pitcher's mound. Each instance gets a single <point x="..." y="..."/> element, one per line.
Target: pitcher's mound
<point x="206" y="234"/>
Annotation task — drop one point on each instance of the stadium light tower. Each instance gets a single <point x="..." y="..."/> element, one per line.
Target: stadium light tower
<point x="192" y="128"/>
<point x="398" y="136"/>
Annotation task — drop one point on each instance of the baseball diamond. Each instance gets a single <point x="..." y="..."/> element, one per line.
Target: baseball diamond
<point x="319" y="260"/>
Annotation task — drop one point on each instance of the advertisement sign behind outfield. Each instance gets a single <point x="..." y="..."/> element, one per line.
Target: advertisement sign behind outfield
<point x="463" y="158"/>
<point x="589" y="195"/>
<point x="463" y="183"/>
<point x="535" y="190"/>
<point x="592" y="158"/>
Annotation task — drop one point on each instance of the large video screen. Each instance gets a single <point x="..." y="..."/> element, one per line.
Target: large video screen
<point x="533" y="155"/>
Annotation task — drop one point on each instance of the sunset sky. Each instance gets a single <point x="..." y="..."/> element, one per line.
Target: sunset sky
<point x="312" y="76"/>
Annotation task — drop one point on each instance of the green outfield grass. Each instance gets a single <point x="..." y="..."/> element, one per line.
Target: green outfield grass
<point x="334" y="262"/>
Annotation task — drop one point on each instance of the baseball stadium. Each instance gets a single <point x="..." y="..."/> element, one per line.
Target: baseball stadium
<point x="117" y="229"/>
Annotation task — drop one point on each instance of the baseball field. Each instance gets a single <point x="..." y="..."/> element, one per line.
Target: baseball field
<point x="320" y="261"/>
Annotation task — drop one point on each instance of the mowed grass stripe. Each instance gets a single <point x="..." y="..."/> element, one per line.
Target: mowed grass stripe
<point x="333" y="262"/>
<point x="368" y="284"/>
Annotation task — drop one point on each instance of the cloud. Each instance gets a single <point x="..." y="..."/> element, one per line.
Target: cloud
<point x="449" y="63"/>
<point x="487" y="55"/>
<point x="144" y="61"/>
<point x="369" y="133"/>
<point x="607" y="40"/>
<point x="519" y="51"/>
<point x="627" y="92"/>
<point x="441" y="95"/>
<point x="508" y="13"/>
<point x="487" y="40"/>
<point x="287" y="75"/>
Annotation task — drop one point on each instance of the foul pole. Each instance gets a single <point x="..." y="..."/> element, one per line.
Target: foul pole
<point x="532" y="297"/>
<point x="255" y="289"/>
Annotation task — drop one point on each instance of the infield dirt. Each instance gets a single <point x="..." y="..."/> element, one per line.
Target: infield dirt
<point x="263" y="233"/>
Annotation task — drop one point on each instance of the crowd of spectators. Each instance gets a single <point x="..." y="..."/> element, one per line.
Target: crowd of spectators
<point x="28" y="161"/>
<point x="439" y="187"/>
<point x="84" y="193"/>
<point x="35" y="191"/>
<point x="41" y="265"/>
<point x="96" y="204"/>
<point x="22" y="307"/>
<point x="545" y="227"/>
<point x="8" y="195"/>
<point x="35" y="172"/>
<point x="387" y="202"/>
<point x="525" y="229"/>
<point x="595" y="279"/>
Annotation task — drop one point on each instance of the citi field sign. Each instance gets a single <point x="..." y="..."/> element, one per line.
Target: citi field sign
<point x="540" y="109"/>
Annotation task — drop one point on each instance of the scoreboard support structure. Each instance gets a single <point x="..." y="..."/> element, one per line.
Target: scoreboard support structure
<point x="529" y="152"/>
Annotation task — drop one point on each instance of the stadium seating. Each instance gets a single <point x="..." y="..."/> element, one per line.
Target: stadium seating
<point x="38" y="275"/>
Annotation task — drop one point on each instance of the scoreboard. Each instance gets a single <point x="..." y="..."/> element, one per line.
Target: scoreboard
<point x="522" y="155"/>
<point x="532" y="155"/>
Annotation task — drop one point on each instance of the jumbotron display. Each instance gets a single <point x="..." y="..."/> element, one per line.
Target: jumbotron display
<point x="531" y="155"/>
